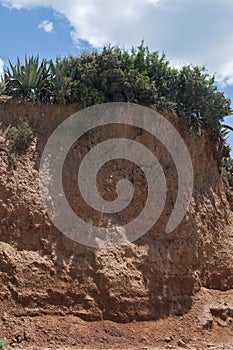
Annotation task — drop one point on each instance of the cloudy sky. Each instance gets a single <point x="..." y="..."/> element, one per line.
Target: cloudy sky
<point x="188" y="31"/>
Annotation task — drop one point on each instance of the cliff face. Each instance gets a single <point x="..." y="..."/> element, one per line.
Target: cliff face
<point x="44" y="272"/>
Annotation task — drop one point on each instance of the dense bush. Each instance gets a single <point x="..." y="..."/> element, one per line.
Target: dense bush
<point x="138" y="76"/>
<point x="20" y="136"/>
<point x="63" y="74"/>
<point x="227" y="172"/>
<point x="2" y="344"/>
<point x="2" y="87"/>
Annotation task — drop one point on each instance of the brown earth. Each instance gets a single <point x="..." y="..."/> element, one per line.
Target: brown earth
<point x="51" y="287"/>
<point x="209" y="325"/>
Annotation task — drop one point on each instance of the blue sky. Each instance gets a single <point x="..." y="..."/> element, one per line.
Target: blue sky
<point x="21" y="34"/>
<point x="188" y="31"/>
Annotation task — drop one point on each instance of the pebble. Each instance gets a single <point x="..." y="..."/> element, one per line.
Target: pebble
<point x="168" y="339"/>
<point x="182" y="344"/>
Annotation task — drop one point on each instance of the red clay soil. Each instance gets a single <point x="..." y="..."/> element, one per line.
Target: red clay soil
<point x="162" y="291"/>
<point x="209" y="325"/>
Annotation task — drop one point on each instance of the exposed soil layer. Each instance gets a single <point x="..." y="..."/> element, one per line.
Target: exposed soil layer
<point x="51" y="285"/>
<point x="209" y="325"/>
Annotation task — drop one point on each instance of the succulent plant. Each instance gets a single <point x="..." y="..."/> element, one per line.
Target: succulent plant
<point x="28" y="80"/>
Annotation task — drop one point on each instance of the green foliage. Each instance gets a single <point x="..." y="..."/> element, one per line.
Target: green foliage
<point x="230" y="198"/>
<point x="114" y="74"/>
<point x="63" y="74"/>
<point x="227" y="128"/>
<point x="2" y="87"/>
<point x="109" y="77"/>
<point x="198" y="97"/>
<point x="227" y="173"/>
<point x="2" y="344"/>
<point x="29" y="80"/>
<point x="20" y="136"/>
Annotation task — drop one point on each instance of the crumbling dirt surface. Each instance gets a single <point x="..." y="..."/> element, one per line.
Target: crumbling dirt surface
<point x="209" y="325"/>
<point x="161" y="291"/>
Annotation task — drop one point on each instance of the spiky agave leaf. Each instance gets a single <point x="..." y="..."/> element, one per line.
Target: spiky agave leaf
<point x="28" y="79"/>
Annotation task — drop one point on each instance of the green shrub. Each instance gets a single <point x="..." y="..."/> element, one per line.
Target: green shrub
<point x="117" y="75"/>
<point x="230" y="198"/>
<point x="20" y="136"/>
<point x="227" y="173"/>
<point x="2" y="344"/>
<point x="2" y="88"/>
<point x="63" y="74"/>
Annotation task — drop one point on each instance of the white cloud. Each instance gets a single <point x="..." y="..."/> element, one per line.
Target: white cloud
<point x="190" y="31"/>
<point x="47" y="26"/>
<point x="1" y="67"/>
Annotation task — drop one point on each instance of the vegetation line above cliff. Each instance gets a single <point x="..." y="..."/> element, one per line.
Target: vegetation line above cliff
<point x="139" y="76"/>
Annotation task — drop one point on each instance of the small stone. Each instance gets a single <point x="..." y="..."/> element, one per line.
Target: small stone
<point x="222" y="323"/>
<point x="144" y="338"/>
<point x="27" y="336"/>
<point x="71" y="341"/>
<point x="168" y="339"/>
<point x="208" y="324"/>
<point x="181" y="343"/>
<point x="19" y="339"/>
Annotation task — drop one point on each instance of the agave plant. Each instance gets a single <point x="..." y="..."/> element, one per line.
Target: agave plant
<point x="220" y="137"/>
<point x="29" y="80"/>
<point x="63" y="73"/>
<point x="227" y="127"/>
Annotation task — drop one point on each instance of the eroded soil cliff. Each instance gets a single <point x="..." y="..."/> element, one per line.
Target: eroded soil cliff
<point x="44" y="273"/>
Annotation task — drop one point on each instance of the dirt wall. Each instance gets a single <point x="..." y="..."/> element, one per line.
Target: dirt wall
<point x="43" y="272"/>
